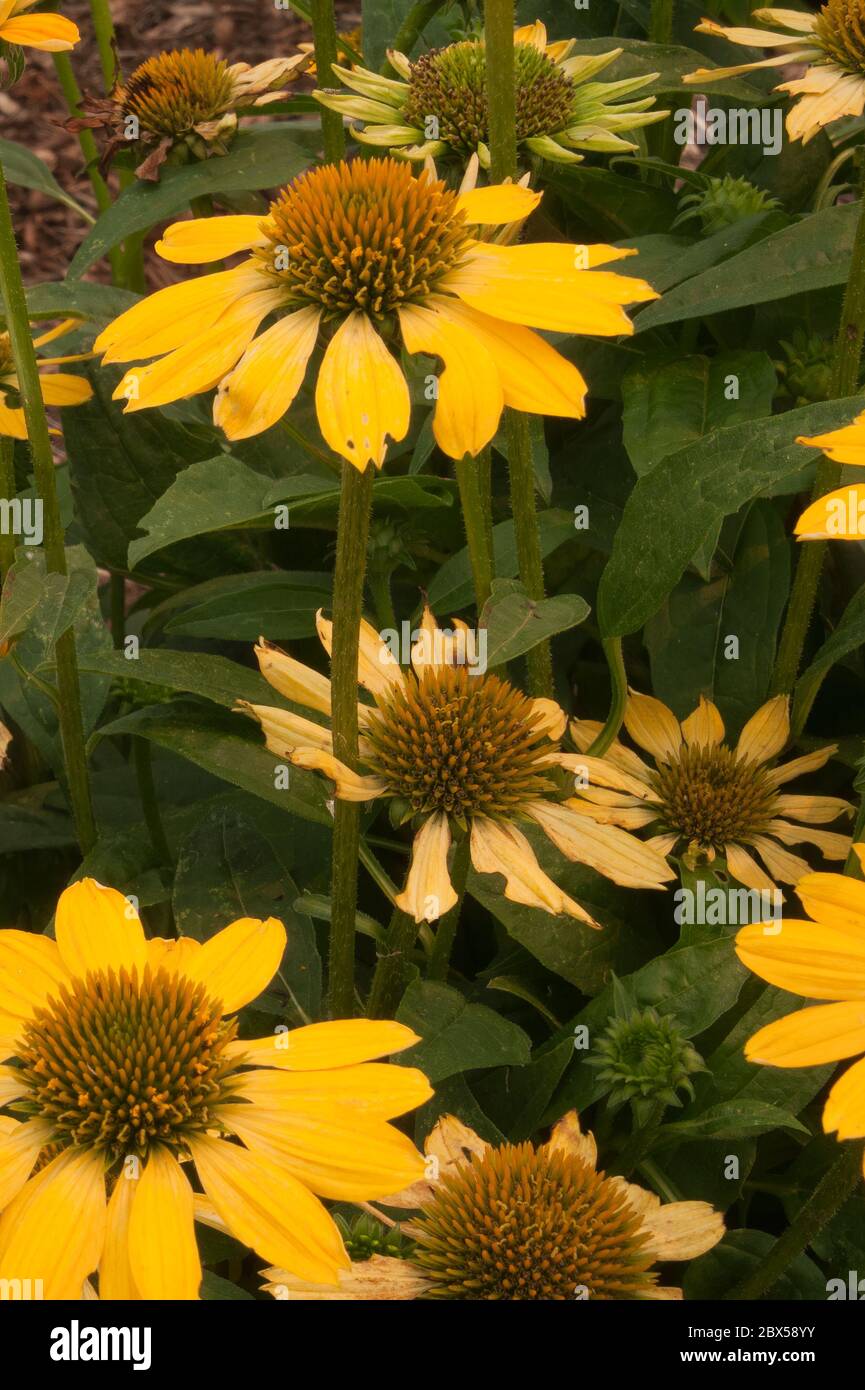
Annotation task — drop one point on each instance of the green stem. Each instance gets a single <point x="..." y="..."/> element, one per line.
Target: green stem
<point x="103" y="27"/>
<point x="828" y="1197"/>
<point x="477" y="532"/>
<point x="539" y="660"/>
<point x="90" y="151"/>
<point x="639" y="1144"/>
<point x="413" y="25"/>
<point x="439" y="961"/>
<point x="118" y="609"/>
<point x="348" y="578"/>
<point x="387" y="982"/>
<point x="844" y="382"/>
<point x="149" y="800"/>
<point x="661" y="22"/>
<point x="619" y="699"/>
<point x="324" y="33"/>
<point x="18" y="325"/>
<point x="8" y="491"/>
<point x="501" y="88"/>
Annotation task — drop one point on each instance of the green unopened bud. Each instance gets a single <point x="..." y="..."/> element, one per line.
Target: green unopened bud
<point x="644" y="1056"/>
<point x="364" y="1237"/>
<point x="723" y="202"/>
<point x="806" y="368"/>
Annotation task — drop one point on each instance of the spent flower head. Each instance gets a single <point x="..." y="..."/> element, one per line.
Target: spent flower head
<point x="831" y="42"/>
<point x="438" y="105"/>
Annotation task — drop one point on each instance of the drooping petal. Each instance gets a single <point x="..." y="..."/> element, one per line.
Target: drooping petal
<point x="167" y="319"/>
<point x="606" y="848"/>
<point x="782" y="865"/>
<point x="836" y="900"/>
<point x="64" y="388"/>
<point x="809" y="762"/>
<point x="98" y="929"/>
<point x="470" y="397"/>
<point x="378" y="670"/>
<point x="533" y="376"/>
<point x="268" y="376"/>
<point x="361" y="397"/>
<point x="683" y="1230"/>
<point x="269" y="1210"/>
<point x="52" y="33"/>
<point x="745" y="869"/>
<point x="349" y="786"/>
<point x="285" y="732"/>
<point x="319" y="1046"/>
<point x="162" y="1251"/>
<point x="810" y="1037"/>
<point x="429" y="893"/>
<point x="503" y="849"/>
<point x="830" y="844"/>
<point x="845" y="1108"/>
<point x="298" y="683"/>
<point x="239" y="962"/>
<point x="203" y="239"/>
<point x="115" y="1271"/>
<point x="766" y="732"/>
<point x="54" y="1229"/>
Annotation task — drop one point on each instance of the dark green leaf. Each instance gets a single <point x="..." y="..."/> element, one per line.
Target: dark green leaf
<point x="456" y="1036"/>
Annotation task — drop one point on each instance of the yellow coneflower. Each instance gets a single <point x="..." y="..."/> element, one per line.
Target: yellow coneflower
<point x="184" y="104"/>
<point x="369" y="258"/>
<point x="440" y="106"/>
<point x="822" y="959"/>
<point x="704" y="798"/>
<point x="831" y="42"/>
<point x="58" y="388"/>
<point x="451" y="748"/>
<point x="130" y="1085"/>
<point x="519" y="1222"/>
<point x="50" y="32"/>
<point x="837" y="515"/>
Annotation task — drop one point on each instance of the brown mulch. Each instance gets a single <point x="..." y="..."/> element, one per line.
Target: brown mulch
<point x="239" y="30"/>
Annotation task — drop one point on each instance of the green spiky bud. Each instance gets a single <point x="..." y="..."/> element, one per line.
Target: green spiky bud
<point x="364" y="1237"/>
<point x="644" y="1057"/>
<point x="723" y="202"/>
<point x="806" y="368"/>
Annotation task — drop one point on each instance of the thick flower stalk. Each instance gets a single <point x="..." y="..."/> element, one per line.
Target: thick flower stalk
<point x="704" y="798"/>
<point x="439" y="104"/>
<point x="524" y="1222"/>
<point x="456" y="753"/>
<point x="136" y="1110"/>
<point x="364" y="258"/>
<point x="831" y="43"/>
<point x="183" y="105"/>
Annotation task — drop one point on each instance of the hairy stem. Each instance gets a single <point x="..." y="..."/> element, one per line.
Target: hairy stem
<point x="477" y="532"/>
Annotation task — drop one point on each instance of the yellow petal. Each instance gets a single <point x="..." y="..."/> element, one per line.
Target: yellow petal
<point x="609" y="850"/>
<point x="291" y="678"/>
<point x="12" y="422"/>
<point x="12" y="1085"/>
<point x="810" y="1037"/>
<point x="568" y="1137"/>
<point x="172" y="955"/>
<point x="31" y="970"/>
<point x="846" y="445"/>
<point x="162" y="1250"/>
<point x="269" y="1210"/>
<point x="533" y="376"/>
<point x="52" y="33"/>
<point x="381" y="1277"/>
<point x="320" y="1046"/>
<point x="429" y="893"/>
<point x="782" y="865"/>
<point x="845" y="1108"/>
<point x="745" y="869"/>
<point x="98" y="929"/>
<point x="349" y="786"/>
<point x="239" y="962"/>
<point x="343" y="1158"/>
<point x="170" y="317"/>
<point x="653" y="726"/>
<point x="830" y="844"/>
<point x="814" y="810"/>
<point x="809" y="762"/>
<point x="835" y="900"/>
<point x="115" y="1270"/>
<point x="682" y="1230"/>
<point x="19" y="1150"/>
<point x="268" y="376"/>
<point x="54" y="1228"/>
<point x="705" y="727"/>
<point x="536" y="286"/>
<point x="371" y="1090"/>
<point x="498" y="204"/>
<point x="766" y="732"/>
<point x="285" y="732"/>
<point x="378" y="670"/>
<point x="361" y="397"/>
<point x="815" y="961"/>
<point x="63" y="388"/>
<point x="500" y="848"/>
<point x="210" y="238"/>
<point x="836" y="516"/>
<point x="470" y="398"/>
<point x="202" y="361"/>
